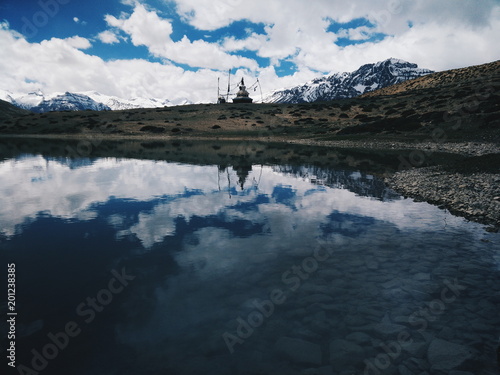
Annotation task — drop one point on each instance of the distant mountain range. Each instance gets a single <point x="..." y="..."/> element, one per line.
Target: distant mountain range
<point x="367" y="78"/>
<point x="40" y="103"/>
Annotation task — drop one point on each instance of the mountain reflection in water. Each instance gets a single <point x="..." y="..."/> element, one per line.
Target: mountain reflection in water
<point x="241" y="268"/>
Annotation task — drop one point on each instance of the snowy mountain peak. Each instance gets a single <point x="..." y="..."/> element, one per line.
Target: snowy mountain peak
<point x="393" y="61"/>
<point x="37" y="101"/>
<point x="367" y="78"/>
<point x="69" y="102"/>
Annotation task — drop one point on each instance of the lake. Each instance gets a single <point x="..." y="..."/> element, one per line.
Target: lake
<point x="238" y="258"/>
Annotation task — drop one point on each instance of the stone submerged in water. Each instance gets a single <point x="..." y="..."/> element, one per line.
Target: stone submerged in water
<point x="325" y="370"/>
<point x="446" y="355"/>
<point x="359" y="338"/>
<point x="345" y="354"/>
<point x="387" y="330"/>
<point x="299" y="351"/>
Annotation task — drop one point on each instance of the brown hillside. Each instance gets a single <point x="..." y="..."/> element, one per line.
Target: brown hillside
<point x="473" y="75"/>
<point x="9" y="111"/>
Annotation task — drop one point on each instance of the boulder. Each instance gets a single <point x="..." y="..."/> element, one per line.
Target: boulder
<point x="345" y="354"/>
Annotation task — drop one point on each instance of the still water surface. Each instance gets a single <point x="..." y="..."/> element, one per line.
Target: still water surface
<point x="162" y="267"/>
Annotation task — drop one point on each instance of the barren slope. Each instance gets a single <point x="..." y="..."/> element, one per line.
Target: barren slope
<point x="478" y="75"/>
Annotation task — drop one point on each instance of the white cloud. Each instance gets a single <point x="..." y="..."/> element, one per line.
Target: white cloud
<point x="434" y="46"/>
<point x="359" y="33"/>
<point x="108" y="37"/>
<point x="76" y="42"/>
<point x="79" y="21"/>
<point x="146" y="28"/>
<point x="301" y="25"/>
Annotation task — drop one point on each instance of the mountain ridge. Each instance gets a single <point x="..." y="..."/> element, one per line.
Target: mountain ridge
<point x="366" y="78"/>
<point x="439" y="79"/>
<point x="39" y="102"/>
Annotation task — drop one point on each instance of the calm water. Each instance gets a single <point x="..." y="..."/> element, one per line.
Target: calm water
<point x="128" y="266"/>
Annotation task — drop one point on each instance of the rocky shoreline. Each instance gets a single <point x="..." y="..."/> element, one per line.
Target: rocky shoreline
<point x="475" y="196"/>
<point x="461" y="148"/>
<point x="470" y="189"/>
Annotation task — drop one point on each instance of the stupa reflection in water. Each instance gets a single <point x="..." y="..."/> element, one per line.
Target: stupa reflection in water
<point x="242" y="171"/>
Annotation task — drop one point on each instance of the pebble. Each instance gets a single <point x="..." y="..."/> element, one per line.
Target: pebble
<point x="403" y="370"/>
<point x="387" y="330"/>
<point x="317" y="298"/>
<point x="325" y="370"/>
<point x="359" y="338"/>
<point x="422" y="276"/>
<point x="344" y="353"/>
<point x="416" y="349"/>
<point x="446" y="355"/>
<point x="299" y="351"/>
<point x="474" y="196"/>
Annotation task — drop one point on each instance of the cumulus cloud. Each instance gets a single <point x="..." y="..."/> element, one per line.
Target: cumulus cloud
<point x="76" y="42"/>
<point x="79" y="21"/>
<point x="358" y="33"/>
<point x="146" y="28"/>
<point x="108" y="37"/>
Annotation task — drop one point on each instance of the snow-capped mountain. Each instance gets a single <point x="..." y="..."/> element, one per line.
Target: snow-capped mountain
<point x="116" y="103"/>
<point x="69" y="102"/>
<point x="39" y="102"/>
<point x="25" y="101"/>
<point x="367" y="78"/>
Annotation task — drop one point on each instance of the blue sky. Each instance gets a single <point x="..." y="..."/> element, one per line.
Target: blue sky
<point x="157" y="48"/>
<point x="39" y="22"/>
